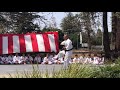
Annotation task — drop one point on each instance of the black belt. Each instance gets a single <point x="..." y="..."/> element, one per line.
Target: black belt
<point x="69" y="49"/>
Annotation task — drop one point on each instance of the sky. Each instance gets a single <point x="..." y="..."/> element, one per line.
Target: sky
<point x="60" y="15"/>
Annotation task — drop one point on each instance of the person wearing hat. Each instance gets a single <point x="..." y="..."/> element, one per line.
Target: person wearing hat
<point x="68" y="50"/>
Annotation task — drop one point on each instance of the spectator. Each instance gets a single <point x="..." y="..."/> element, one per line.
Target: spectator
<point x="38" y="59"/>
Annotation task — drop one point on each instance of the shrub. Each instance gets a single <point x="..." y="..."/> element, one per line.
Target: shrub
<point x="76" y="71"/>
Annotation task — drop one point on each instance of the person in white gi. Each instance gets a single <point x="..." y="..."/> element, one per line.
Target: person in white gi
<point x="81" y="58"/>
<point x="68" y="50"/>
<point x="47" y="59"/>
<point x="88" y="59"/>
<point x="1" y="62"/>
<point x="101" y="59"/>
<point x="10" y="59"/>
<point x="29" y="59"/>
<point x="51" y="55"/>
<point x="61" y="56"/>
<point x="55" y="58"/>
<point x="37" y="59"/>
<point x="96" y="59"/>
<point x="16" y="59"/>
<point x="24" y="59"/>
<point x="5" y="59"/>
<point x="76" y="59"/>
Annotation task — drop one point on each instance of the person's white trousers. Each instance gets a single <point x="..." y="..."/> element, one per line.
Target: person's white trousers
<point x="67" y="58"/>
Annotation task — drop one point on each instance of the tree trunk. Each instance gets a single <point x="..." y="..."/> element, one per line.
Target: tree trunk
<point x="118" y="35"/>
<point x="106" y="41"/>
<point x="89" y="39"/>
<point x="88" y="31"/>
<point x="114" y="30"/>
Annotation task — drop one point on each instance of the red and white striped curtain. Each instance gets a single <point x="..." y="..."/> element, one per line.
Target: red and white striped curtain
<point x="31" y="42"/>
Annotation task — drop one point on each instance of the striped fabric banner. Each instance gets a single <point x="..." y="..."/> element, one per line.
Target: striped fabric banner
<point x="32" y="42"/>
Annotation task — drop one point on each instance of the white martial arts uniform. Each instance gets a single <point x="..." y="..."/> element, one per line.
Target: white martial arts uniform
<point x="4" y="60"/>
<point x="17" y="59"/>
<point x="1" y="60"/>
<point x="47" y="60"/>
<point x="58" y="60"/>
<point x="68" y="54"/>
<point x="76" y="60"/>
<point x="87" y="60"/>
<point x="96" y="60"/>
<point x="61" y="60"/>
<point x="51" y="58"/>
<point x="81" y="59"/>
<point x="10" y="59"/>
<point x="61" y="56"/>
<point x="29" y="59"/>
<point x="101" y="60"/>
<point x="24" y="59"/>
<point x="55" y="59"/>
<point x="37" y="59"/>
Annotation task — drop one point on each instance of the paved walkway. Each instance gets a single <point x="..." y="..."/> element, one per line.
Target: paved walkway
<point x="5" y="69"/>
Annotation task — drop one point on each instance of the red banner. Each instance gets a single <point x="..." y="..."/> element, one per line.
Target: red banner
<point x="31" y="42"/>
